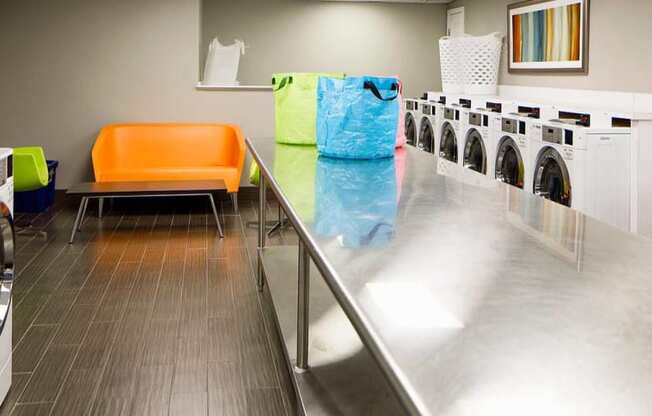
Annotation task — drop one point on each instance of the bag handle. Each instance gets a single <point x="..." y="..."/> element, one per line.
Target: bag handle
<point x="285" y="81"/>
<point x="366" y="240"/>
<point x="369" y="85"/>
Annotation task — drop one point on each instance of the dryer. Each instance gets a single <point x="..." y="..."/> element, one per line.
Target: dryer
<point x="7" y="263"/>
<point x="585" y="167"/>
<point x="413" y="116"/>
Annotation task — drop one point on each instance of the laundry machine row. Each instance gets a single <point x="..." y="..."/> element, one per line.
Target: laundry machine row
<point x="577" y="158"/>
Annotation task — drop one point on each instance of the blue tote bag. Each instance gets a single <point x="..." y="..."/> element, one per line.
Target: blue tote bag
<point x="356" y="201"/>
<point x="357" y="117"/>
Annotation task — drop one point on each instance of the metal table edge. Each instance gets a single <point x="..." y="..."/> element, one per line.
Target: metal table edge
<point x="368" y="336"/>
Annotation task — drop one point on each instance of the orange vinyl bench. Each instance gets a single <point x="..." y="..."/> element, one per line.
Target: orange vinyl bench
<point x="155" y="153"/>
<point x="158" y="152"/>
<point x="170" y="152"/>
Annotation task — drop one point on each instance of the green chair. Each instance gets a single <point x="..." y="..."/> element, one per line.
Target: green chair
<point x="30" y="173"/>
<point x="30" y="169"/>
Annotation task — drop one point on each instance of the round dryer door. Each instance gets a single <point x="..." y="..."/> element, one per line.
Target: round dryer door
<point x="551" y="178"/>
<point x="6" y="262"/>
<point x="426" y="137"/>
<point x="475" y="153"/>
<point x="509" y="163"/>
<point x="448" y="146"/>
<point x="410" y="130"/>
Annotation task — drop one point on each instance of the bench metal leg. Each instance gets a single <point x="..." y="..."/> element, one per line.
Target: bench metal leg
<point x="234" y="198"/>
<point x="81" y="220"/>
<point x="100" y="207"/>
<point x="217" y="219"/>
<point x="75" y="226"/>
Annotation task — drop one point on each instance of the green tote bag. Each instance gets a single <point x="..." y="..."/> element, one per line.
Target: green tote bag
<point x="295" y="105"/>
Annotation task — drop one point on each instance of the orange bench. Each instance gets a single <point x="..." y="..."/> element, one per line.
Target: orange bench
<point x="167" y="152"/>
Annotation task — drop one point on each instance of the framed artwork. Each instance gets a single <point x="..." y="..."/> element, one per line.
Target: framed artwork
<point x="548" y="36"/>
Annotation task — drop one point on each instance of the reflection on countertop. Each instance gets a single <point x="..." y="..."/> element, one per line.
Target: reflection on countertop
<point x="491" y="300"/>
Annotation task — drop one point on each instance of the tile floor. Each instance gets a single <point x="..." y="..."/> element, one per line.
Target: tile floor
<point x="146" y="314"/>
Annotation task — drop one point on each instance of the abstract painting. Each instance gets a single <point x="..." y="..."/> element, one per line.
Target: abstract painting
<point x="548" y="35"/>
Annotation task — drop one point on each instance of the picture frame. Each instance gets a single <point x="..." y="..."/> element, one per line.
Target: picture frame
<point x="548" y="36"/>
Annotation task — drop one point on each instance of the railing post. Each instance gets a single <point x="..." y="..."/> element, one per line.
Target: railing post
<point x="303" y="307"/>
<point x="262" y="203"/>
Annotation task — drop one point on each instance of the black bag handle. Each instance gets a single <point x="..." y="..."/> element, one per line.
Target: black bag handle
<point x="285" y="81"/>
<point x="369" y="85"/>
<point x="366" y="240"/>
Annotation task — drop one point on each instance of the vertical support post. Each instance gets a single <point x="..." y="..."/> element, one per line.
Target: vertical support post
<point x="303" y="307"/>
<point x="234" y="198"/>
<point x="262" y="202"/>
<point x="100" y="207"/>
<point x="83" y="214"/>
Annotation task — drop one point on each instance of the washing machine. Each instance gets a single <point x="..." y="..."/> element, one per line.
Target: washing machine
<point x="428" y="126"/>
<point x="585" y="166"/>
<point x="448" y="157"/>
<point x="7" y="263"/>
<point x="479" y="129"/>
<point x="511" y="142"/>
<point x="413" y="116"/>
<point x="475" y="130"/>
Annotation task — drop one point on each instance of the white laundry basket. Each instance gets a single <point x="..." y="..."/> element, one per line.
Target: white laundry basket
<point x="480" y="63"/>
<point x="449" y="57"/>
<point x="222" y="63"/>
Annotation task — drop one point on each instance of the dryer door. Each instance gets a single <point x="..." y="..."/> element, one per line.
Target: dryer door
<point x="551" y="178"/>
<point x="410" y="130"/>
<point x="6" y="262"/>
<point x="475" y="152"/>
<point x="448" y="147"/>
<point x="509" y="163"/>
<point x="426" y="136"/>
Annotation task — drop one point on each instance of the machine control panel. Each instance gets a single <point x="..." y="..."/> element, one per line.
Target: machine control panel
<point x="475" y="119"/>
<point x="552" y="134"/>
<point x="411" y="105"/>
<point x="509" y="125"/>
<point x="530" y="112"/>
<point x="494" y="107"/>
<point x="451" y="114"/>
<point x="466" y="103"/>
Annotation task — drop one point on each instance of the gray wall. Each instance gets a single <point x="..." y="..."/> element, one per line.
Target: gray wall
<point x="72" y="66"/>
<point x="620" y="49"/>
<point x="311" y="35"/>
<point x="68" y="67"/>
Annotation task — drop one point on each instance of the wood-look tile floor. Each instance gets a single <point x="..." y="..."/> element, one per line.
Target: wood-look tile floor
<point x="148" y="313"/>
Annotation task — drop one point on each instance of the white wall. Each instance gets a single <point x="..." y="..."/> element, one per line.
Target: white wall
<point x="620" y="50"/>
<point x="311" y="35"/>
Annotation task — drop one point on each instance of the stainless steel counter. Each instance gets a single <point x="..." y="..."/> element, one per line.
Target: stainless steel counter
<point x="474" y="297"/>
